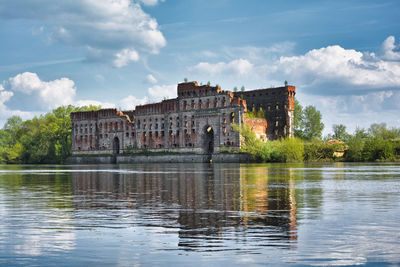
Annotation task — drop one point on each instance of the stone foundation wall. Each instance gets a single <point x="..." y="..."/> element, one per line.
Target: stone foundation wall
<point x="172" y="158"/>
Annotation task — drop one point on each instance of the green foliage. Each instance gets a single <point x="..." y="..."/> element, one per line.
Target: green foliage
<point x="339" y="132"/>
<point x="317" y="150"/>
<point x="235" y="89"/>
<point x="208" y="83"/>
<point x="286" y="83"/>
<point x="242" y="88"/>
<point x="44" y="139"/>
<point x="307" y="122"/>
<point x="185" y="80"/>
<point x="285" y="150"/>
<point x="298" y="119"/>
<point x="312" y="124"/>
<point x="377" y="149"/>
<point x="377" y="143"/>
<point x="255" y="114"/>
<point x="289" y="150"/>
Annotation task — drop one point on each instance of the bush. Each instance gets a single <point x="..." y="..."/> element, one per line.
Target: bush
<point x="378" y="149"/>
<point x="290" y="150"/>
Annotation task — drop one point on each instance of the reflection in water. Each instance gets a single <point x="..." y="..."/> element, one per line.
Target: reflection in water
<point x="200" y="214"/>
<point x="203" y="202"/>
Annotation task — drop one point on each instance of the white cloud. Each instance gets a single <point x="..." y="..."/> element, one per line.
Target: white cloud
<point x="125" y="56"/>
<point x="5" y="96"/>
<point x="388" y="48"/>
<point x="107" y="26"/>
<point x="150" y="2"/>
<point x="338" y="65"/>
<point x="51" y="94"/>
<point x="151" y="79"/>
<point x="238" y="66"/>
<point x="130" y="102"/>
<point x="5" y="112"/>
<point x="81" y="103"/>
<point x="159" y="92"/>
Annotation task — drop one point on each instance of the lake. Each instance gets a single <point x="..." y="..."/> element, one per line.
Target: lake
<point x="200" y="214"/>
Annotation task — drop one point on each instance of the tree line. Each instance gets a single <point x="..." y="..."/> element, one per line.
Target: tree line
<point x="43" y="139"/>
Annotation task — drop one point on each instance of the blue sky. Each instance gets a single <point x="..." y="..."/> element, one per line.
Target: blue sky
<point x="342" y="56"/>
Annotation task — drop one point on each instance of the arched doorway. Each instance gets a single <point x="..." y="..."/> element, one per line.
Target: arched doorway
<point x="116" y="145"/>
<point x="208" y="139"/>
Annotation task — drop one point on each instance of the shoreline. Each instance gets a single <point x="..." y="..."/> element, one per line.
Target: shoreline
<point x="150" y="157"/>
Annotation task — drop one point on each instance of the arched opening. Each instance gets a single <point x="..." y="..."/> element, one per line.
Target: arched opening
<point x="208" y="140"/>
<point x="116" y="145"/>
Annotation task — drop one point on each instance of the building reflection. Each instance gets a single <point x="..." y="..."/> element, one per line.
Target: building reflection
<point x="199" y="201"/>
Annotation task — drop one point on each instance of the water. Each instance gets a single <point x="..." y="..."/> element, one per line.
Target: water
<point x="200" y="214"/>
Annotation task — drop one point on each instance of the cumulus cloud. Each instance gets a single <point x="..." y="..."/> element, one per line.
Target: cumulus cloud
<point x="5" y="96"/>
<point x="388" y="49"/>
<point x="336" y="65"/>
<point x="51" y="94"/>
<point x="104" y="28"/>
<point x="239" y="66"/>
<point x="5" y="112"/>
<point x="151" y="79"/>
<point x="159" y="92"/>
<point x="125" y="56"/>
<point x="130" y="102"/>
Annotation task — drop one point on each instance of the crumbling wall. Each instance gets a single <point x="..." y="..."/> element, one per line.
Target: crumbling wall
<point x="258" y="126"/>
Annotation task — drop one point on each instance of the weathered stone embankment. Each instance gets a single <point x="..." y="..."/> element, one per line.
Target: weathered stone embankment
<point x="167" y="158"/>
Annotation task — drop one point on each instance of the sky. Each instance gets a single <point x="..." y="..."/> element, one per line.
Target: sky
<point x="343" y="56"/>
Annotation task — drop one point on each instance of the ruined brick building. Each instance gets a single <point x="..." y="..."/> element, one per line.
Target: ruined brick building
<point x="199" y="120"/>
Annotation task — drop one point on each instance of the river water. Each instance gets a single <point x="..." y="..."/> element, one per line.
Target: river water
<point x="200" y="214"/>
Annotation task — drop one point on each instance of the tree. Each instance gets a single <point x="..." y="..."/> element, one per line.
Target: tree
<point x="15" y="122"/>
<point x="312" y="123"/>
<point x="208" y="83"/>
<point x="185" y="80"/>
<point x="242" y="88"/>
<point x="235" y="89"/>
<point x="298" y="119"/>
<point x="339" y="132"/>
<point x="286" y="83"/>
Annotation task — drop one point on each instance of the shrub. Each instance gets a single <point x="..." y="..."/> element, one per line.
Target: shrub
<point x="378" y="149"/>
<point x="291" y="150"/>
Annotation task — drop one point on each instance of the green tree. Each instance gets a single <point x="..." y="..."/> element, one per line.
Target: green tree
<point x="43" y="139"/>
<point x="286" y="83"/>
<point x="235" y="89"/>
<point x="242" y="88"/>
<point x="298" y="119"/>
<point x="208" y="83"/>
<point x="185" y="80"/>
<point x="312" y="124"/>
<point x="339" y="132"/>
